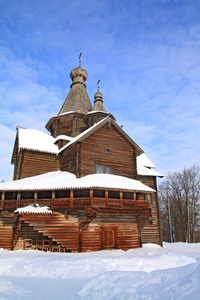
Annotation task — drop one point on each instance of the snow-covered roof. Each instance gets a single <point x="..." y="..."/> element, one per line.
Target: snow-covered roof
<point x="143" y="160"/>
<point x="141" y="170"/>
<point x="65" y="180"/>
<point x="47" y="181"/>
<point x="62" y="137"/>
<point x="34" y="209"/>
<point x="33" y="139"/>
<point x="68" y="113"/>
<point x="144" y="166"/>
<point x="98" y="111"/>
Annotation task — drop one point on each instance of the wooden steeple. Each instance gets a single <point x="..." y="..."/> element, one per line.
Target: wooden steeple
<point x="99" y="112"/>
<point x="69" y="120"/>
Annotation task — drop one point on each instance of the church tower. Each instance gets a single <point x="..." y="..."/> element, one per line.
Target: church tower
<point x="69" y="120"/>
<point x="98" y="113"/>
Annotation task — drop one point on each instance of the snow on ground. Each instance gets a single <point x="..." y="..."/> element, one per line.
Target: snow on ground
<point x="151" y="272"/>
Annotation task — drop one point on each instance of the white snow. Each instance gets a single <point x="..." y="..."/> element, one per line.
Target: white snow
<point x="143" y="160"/>
<point x="141" y="170"/>
<point x="68" y="112"/>
<point x="34" y="209"/>
<point x="151" y="272"/>
<point x="97" y="111"/>
<point x="144" y="166"/>
<point x="111" y="181"/>
<point x="62" y="137"/>
<point x="66" y="180"/>
<point x="47" y="181"/>
<point x="36" y="140"/>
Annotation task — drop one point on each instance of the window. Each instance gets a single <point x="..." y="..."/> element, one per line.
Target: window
<point x="150" y="198"/>
<point x="62" y="194"/>
<point x="99" y="193"/>
<point x="81" y="193"/>
<point x="107" y="170"/>
<point x="128" y="195"/>
<point x="99" y="168"/>
<point x="103" y="169"/>
<point x="44" y="194"/>
<point x="10" y="195"/>
<point x="113" y="194"/>
<point x="140" y="196"/>
<point x="27" y="195"/>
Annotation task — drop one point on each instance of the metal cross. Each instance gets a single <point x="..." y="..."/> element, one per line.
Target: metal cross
<point x="80" y="59"/>
<point x="98" y="85"/>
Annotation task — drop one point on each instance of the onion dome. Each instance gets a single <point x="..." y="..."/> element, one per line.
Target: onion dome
<point x="77" y="100"/>
<point x="98" y="100"/>
<point x="78" y="75"/>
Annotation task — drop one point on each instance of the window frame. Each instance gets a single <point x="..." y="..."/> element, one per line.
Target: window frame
<point x="103" y="168"/>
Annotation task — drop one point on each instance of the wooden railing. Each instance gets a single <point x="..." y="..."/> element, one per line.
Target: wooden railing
<point x="71" y="202"/>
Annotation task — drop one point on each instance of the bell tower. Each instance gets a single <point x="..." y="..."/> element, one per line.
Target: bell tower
<point x="98" y="113"/>
<point x="69" y="120"/>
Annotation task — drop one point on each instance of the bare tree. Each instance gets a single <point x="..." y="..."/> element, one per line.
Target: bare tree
<point x="179" y="197"/>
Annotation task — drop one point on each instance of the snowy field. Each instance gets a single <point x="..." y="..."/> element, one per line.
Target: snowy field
<point x="151" y="272"/>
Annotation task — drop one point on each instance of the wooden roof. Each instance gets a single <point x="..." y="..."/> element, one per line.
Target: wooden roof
<point x="77" y="99"/>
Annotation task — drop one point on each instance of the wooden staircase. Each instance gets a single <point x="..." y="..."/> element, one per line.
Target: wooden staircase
<point x="61" y="229"/>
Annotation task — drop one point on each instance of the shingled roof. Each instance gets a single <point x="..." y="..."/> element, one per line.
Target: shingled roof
<point x="77" y="99"/>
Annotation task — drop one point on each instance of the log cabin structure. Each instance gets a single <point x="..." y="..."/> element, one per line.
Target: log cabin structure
<point x="85" y="186"/>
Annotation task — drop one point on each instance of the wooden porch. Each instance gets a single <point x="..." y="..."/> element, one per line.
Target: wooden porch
<point x="65" y="199"/>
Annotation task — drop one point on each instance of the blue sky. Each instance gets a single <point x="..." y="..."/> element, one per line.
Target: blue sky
<point x="146" y="54"/>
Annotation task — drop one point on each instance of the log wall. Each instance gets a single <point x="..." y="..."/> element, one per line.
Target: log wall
<point x="152" y="233"/>
<point x="68" y="159"/>
<point x="107" y="146"/>
<point x="6" y="230"/>
<point x="71" y="125"/>
<point x="32" y="163"/>
<point x="125" y="234"/>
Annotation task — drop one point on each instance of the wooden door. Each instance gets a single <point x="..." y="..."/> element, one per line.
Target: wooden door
<point x="108" y="238"/>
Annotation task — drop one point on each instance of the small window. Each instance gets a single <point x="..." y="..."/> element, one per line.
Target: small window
<point x="99" y="193"/>
<point x="27" y="195"/>
<point x="140" y="196"/>
<point x="99" y="169"/>
<point x="150" y="198"/>
<point x="103" y="169"/>
<point x="62" y="194"/>
<point x="113" y="194"/>
<point x="81" y="193"/>
<point x="106" y="150"/>
<point x="44" y="194"/>
<point x="10" y="195"/>
<point x="128" y="195"/>
<point x="108" y="170"/>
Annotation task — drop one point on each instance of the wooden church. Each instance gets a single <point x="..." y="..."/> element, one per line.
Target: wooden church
<point x="85" y="186"/>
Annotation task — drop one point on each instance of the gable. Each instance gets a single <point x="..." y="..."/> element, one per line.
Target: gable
<point x="108" y="120"/>
<point x="109" y="148"/>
